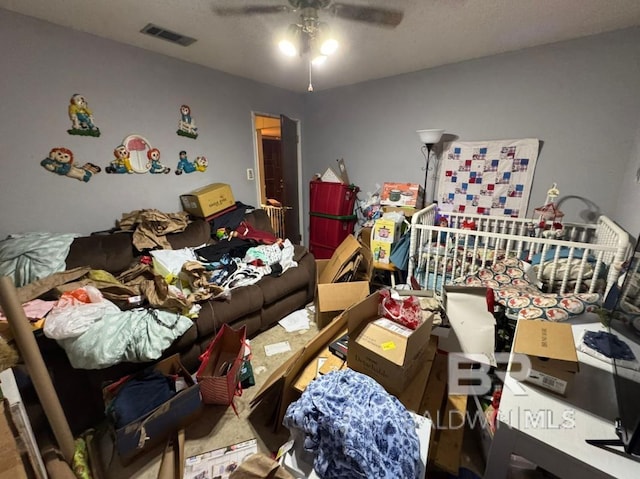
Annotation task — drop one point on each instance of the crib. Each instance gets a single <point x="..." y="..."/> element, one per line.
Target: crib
<point x="581" y="258"/>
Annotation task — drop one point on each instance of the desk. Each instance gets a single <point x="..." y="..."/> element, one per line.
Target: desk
<point x="551" y="430"/>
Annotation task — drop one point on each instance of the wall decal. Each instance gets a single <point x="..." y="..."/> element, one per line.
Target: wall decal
<point x="186" y="125"/>
<point x="155" y="166"/>
<point x="132" y="156"/>
<point x="60" y="161"/>
<point x="186" y="166"/>
<point x="201" y="163"/>
<point x="121" y="163"/>
<point x="81" y="117"/>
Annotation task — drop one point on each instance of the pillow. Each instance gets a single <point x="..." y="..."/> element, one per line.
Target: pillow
<point x="552" y="307"/>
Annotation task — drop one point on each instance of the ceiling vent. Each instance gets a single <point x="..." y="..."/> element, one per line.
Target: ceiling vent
<point x="173" y="37"/>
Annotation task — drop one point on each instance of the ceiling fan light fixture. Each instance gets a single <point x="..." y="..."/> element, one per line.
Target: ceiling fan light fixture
<point x="287" y="47"/>
<point x="329" y="46"/>
<point x="289" y="43"/>
<point x="318" y="60"/>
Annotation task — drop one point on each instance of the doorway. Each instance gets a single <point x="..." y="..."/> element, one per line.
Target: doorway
<point x="278" y="173"/>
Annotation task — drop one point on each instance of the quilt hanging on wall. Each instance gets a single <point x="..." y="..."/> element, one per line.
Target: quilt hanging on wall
<point x="491" y="177"/>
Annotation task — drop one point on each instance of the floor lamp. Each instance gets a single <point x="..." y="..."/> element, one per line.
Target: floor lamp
<point x="429" y="138"/>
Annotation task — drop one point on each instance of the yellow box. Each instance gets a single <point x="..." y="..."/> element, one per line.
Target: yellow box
<point x="387" y="230"/>
<point x="208" y="200"/>
<point x="381" y="251"/>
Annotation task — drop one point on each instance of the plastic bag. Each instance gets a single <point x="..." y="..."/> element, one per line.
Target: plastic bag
<point x="76" y="311"/>
<point x="403" y="310"/>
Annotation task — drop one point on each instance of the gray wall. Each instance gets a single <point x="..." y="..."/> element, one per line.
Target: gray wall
<point x="627" y="211"/>
<point x="130" y="91"/>
<point x="580" y="98"/>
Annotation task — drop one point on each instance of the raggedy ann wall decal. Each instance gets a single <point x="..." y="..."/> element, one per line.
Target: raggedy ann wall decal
<point x="121" y="163"/>
<point x="81" y="117"/>
<point x="60" y="161"/>
<point x="154" y="164"/>
<point x="187" y="125"/>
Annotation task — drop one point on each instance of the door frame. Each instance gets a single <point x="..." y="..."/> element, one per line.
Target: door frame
<point x="258" y="169"/>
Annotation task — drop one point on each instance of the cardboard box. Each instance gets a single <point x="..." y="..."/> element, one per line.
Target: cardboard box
<point x="388" y="352"/>
<point x="551" y="349"/>
<point x="472" y="324"/>
<point x="402" y="194"/>
<point x="154" y="428"/>
<point x="281" y="381"/>
<point x="208" y="200"/>
<point x="333" y="298"/>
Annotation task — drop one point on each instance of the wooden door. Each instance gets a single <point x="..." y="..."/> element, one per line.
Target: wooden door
<point x="290" y="187"/>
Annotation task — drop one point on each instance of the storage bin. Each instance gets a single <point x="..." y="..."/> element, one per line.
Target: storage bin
<point x="335" y="199"/>
<point x="320" y="251"/>
<point x="330" y="230"/>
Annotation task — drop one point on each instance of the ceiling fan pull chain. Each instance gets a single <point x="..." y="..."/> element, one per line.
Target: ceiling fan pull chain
<point x="310" y="87"/>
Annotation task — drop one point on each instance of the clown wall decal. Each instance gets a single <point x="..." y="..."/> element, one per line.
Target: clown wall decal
<point x="81" y="117"/>
<point x="187" y="125"/>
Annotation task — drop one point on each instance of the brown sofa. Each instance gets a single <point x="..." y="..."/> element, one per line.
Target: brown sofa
<point x="258" y="306"/>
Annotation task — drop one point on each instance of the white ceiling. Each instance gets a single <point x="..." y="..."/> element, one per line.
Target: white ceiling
<point x="432" y="33"/>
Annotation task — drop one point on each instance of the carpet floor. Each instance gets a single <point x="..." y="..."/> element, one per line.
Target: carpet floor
<point x="219" y="426"/>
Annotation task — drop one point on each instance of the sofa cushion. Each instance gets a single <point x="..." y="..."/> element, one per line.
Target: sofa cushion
<point x="197" y="233"/>
<point x="275" y="288"/>
<point x="110" y="252"/>
<point x="214" y="313"/>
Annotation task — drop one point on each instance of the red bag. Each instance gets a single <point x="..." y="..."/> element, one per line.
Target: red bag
<point x="405" y="311"/>
<point x="219" y="371"/>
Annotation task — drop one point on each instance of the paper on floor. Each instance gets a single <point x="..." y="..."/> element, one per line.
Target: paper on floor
<point x="296" y="321"/>
<point x="277" y="348"/>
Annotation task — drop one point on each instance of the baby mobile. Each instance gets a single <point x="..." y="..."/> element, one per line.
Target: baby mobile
<point x="549" y="216"/>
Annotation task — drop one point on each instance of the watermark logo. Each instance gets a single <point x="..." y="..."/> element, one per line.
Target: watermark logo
<point x="469" y="373"/>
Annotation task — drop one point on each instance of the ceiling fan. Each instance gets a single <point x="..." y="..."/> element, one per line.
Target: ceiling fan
<point x="310" y="35"/>
<point x="381" y="16"/>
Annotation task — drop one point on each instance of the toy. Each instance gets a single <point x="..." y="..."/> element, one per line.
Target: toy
<point x="184" y="164"/>
<point x="81" y="117"/>
<point x="154" y="164"/>
<point x="186" y="125"/>
<point x="60" y="161"/>
<point x="201" y="163"/>
<point x="121" y="163"/>
<point x="550" y="217"/>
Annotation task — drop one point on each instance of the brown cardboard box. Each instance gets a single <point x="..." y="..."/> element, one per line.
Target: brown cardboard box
<point x="332" y="298"/>
<point x="552" y="352"/>
<point x="11" y="465"/>
<point x="283" y="378"/>
<point x="153" y="428"/>
<point x="208" y="200"/>
<point x="388" y="352"/>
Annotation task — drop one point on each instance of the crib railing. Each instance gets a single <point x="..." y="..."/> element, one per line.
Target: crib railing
<point x="442" y="254"/>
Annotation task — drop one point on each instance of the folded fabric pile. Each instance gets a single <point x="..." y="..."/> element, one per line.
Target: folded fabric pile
<point x="354" y="428"/>
<point x="607" y="347"/>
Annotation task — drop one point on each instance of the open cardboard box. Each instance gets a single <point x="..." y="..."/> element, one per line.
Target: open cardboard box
<point x="386" y="351"/>
<point x="282" y="380"/>
<point x="334" y="297"/>
<point x="153" y="428"/>
<point x="551" y="350"/>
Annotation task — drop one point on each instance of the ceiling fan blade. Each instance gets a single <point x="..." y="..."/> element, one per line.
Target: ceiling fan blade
<point x="361" y="13"/>
<point x="250" y="10"/>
